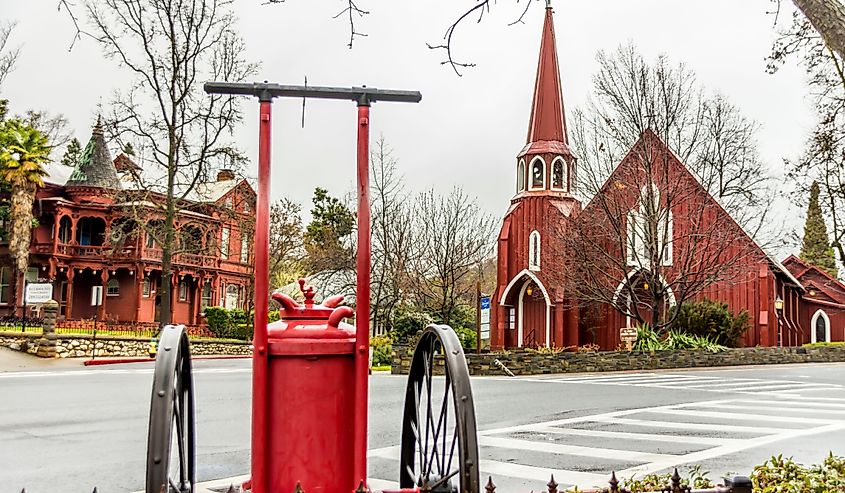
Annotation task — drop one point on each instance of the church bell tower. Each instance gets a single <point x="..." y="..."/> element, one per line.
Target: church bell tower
<point x="530" y="303"/>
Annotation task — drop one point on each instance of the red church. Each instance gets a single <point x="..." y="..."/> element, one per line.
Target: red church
<point x="652" y="238"/>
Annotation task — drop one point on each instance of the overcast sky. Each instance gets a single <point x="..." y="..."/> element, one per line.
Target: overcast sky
<point x="467" y="130"/>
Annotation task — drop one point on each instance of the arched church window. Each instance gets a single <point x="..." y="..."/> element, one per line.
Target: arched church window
<point x="650" y="230"/>
<point x="534" y="251"/>
<point x="558" y="174"/>
<point x="820" y="327"/>
<point x="538" y="174"/>
<point x="520" y="176"/>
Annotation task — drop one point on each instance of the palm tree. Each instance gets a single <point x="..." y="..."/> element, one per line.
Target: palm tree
<point x="23" y="150"/>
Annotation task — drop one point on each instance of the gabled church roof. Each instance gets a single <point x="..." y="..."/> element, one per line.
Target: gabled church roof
<point x="547" y="125"/>
<point x="95" y="167"/>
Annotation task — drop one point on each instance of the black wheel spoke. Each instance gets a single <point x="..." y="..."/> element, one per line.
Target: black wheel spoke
<point x="171" y="417"/>
<point x="442" y="465"/>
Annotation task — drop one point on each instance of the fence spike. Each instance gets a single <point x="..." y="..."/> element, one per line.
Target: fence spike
<point x="491" y="488"/>
<point x="552" y="485"/>
<point x="676" y="482"/>
<point x="362" y="488"/>
<point x="163" y="489"/>
<point x="614" y="483"/>
<point x="95" y="490"/>
<point x="231" y="489"/>
<point x="298" y="488"/>
<point x="23" y="490"/>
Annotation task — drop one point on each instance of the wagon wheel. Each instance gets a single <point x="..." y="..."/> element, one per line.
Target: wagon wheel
<point x="170" y="443"/>
<point x="439" y="447"/>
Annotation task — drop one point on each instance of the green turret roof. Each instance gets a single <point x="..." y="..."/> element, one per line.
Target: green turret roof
<point x="95" y="167"/>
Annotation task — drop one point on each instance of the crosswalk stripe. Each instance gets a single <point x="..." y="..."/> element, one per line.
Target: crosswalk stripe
<point x="625" y="435"/>
<point x="743" y="416"/>
<point x="493" y="467"/>
<point x="733" y="383"/>
<point x="688" y="426"/>
<point x="804" y="403"/>
<point x="776" y="409"/>
<point x="556" y="448"/>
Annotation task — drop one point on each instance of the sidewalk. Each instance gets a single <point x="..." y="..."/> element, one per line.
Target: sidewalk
<point x="11" y="360"/>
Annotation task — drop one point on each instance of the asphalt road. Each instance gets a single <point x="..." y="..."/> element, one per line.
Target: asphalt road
<point x="67" y="428"/>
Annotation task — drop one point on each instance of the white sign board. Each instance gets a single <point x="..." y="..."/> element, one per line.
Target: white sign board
<point x="38" y="293"/>
<point x="485" y="318"/>
<point x="96" y="295"/>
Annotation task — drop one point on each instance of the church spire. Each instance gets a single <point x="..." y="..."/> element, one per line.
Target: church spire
<point x="547" y="123"/>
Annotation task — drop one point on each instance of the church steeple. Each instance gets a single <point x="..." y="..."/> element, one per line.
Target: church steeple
<point x="546" y="163"/>
<point x="547" y="121"/>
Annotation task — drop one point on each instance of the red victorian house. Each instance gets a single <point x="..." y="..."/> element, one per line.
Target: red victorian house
<point x="96" y="227"/>
<point x="651" y="238"/>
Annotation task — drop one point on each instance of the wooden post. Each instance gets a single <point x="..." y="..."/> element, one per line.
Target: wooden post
<point x="478" y="317"/>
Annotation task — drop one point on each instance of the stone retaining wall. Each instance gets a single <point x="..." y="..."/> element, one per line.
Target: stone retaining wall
<point x="535" y="363"/>
<point x="73" y="346"/>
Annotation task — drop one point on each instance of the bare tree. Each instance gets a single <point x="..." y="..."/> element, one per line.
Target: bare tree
<point x="709" y="134"/>
<point x="8" y="55"/>
<point x="823" y="159"/>
<point x="452" y="238"/>
<point x="651" y="238"/>
<point x="828" y="19"/>
<point x="392" y="236"/>
<point x="172" y="47"/>
<point x="286" y="244"/>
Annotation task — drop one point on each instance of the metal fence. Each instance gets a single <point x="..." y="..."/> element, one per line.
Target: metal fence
<point x="736" y="484"/>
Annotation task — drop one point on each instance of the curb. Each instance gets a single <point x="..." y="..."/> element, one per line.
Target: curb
<point x="117" y="361"/>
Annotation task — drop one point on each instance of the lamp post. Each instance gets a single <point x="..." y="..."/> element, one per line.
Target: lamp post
<point x="779" y="311"/>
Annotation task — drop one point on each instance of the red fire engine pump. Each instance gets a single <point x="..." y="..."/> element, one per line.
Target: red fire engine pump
<point x="310" y="370"/>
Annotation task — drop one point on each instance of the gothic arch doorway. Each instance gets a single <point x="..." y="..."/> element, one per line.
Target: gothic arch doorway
<point x="636" y="293"/>
<point x="529" y="298"/>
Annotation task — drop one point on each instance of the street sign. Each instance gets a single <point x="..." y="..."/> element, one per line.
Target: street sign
<point x="96" y="295"/>
<point x="485" y="317"/>
<point x="38" y="293"/>
<point x="628" y="334"/>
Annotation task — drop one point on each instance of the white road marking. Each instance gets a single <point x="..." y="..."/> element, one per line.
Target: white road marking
<point x="625" y="435"/>
<point x="556" y="448"/>
<point x="744" y="416"/>
<point x="687" y="426"/>
<point x="542" y="474"/>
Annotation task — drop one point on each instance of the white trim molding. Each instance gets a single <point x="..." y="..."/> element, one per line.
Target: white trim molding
<point x="813" y="321"/>
<point x="563" y="174"/>
<point x="531" y="174"/>
<point x="517" y="278"/>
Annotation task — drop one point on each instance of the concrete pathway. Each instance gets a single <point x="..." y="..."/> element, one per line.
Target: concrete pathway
<point x="11" y="360"/>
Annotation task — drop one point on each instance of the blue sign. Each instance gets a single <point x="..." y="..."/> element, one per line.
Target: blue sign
<point x="485" y="303"/>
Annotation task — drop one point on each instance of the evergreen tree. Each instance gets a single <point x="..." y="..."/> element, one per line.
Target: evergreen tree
<point x="816" y="249"/>
<point x="74" y="150"/>
<point x="128" y="149"/>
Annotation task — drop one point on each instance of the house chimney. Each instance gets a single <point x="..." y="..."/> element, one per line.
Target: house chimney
<point x="225" y="174"/>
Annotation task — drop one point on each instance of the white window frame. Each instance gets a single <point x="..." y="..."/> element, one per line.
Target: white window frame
<point x="113" y="287"/>
<point x="183" y="290"/>
<point x="667" y="241"/>
<point x="5" y="273"/>
<point x="244" y="248"/>
<point x="205" y="301"/>
<point x="534" y="251"/>
<point x="225" y="235"/>
<point x="564" y="174"/>
<point x="520" y="176"/>
<point x="531" y="174"/>
<point x="813" y="321"/>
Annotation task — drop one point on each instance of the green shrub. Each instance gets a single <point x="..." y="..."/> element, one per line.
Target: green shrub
<point x="712" y="320"/>
<point x="824" y="344"/>
<point x="783" y="475"/>
<point x="218" y="321"/>
<point x="382" y="347"/>
<point x="648" y="340"/>
<point x="467" y="337"/>
<point x="272" y="316"/>
<point x="409" y="323"/>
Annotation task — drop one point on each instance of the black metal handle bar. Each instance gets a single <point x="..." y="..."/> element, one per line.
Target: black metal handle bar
<point x="266" y="92"/>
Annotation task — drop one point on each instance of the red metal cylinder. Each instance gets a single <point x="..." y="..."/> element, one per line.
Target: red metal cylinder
<point x="311" y="373"/>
